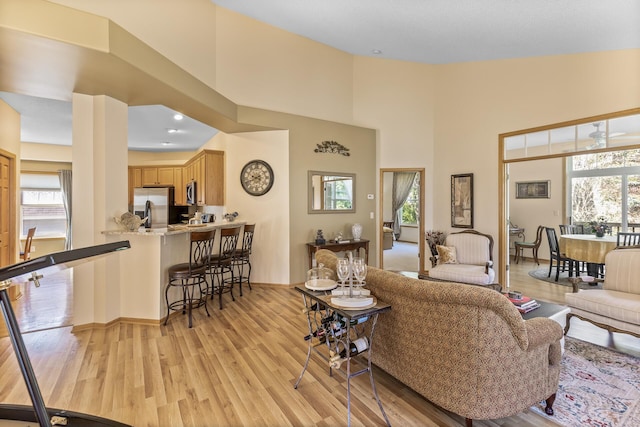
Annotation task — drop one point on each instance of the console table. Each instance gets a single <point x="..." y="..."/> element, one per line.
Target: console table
<point x="325" y="340"/>
<point x="345" y="245"/>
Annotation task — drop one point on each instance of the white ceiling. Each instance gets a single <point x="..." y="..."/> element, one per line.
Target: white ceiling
<point x="428" y="31"/>
<point x="48" y="121"/>
<point x="446" y="31"/>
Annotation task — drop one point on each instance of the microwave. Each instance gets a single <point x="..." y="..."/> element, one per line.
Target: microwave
<point x="191" y="193"/>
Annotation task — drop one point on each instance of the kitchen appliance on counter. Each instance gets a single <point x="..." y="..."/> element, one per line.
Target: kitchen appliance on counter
<point x="157" y="205"/>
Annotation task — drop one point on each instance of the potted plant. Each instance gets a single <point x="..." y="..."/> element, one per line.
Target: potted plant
<point x="434" y="238"/>
<point x="599" y="226"/>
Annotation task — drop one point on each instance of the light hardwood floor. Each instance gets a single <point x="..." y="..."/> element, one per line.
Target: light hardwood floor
<point x="235" y="368"/>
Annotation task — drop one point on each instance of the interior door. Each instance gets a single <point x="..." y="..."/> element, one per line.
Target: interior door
<point x="6" y="245"/>
<point x="415" y="256"/>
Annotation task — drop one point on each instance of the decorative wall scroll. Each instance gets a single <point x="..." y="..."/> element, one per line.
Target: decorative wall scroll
<point x="462" y="200"/>
<point x="332" y="147"/>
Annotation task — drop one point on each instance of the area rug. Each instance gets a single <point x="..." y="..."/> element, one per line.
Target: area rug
<point x="599" y="387"/>
<point x="563" y="279"/>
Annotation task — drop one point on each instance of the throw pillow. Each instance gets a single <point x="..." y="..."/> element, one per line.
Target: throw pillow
<point x="446" y="254"/>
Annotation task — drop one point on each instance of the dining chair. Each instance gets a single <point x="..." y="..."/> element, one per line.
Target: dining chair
<point x="26" y="253"/>
<point x="561" y="259"/>
<point x="534" y="246"/>
<point x="628" y="239"/>
<point x="571" y="229"/>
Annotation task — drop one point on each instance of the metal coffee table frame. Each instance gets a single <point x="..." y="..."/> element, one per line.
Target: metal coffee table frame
<point x="320" y="301"/>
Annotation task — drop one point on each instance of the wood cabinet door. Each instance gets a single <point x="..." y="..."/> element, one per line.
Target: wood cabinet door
<point x="214" y="170"/>
<point x="6" y="256"/>
<point x="149" y="176"/>
<point x="179" y="184"/>
<point x="135" y="181"/>
<point x="201" y="179"/>
<point x="165" y="176"/>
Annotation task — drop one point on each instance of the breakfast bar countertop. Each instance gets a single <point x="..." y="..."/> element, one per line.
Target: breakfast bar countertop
<point x="173" y="229"/>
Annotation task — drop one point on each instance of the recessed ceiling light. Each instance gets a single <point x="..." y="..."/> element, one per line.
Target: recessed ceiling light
<point x="376" y="52"/>
<point x="172" y="130"/>
<point x="178" y="117"/>
<point x="166" y="143"/>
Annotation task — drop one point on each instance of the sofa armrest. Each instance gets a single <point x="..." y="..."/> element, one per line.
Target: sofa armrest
<point x="487" y="266"/>
<point x="543" y="331"/>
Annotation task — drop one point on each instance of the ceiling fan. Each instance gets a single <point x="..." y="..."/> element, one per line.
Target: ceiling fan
<point x="599" y="137"/>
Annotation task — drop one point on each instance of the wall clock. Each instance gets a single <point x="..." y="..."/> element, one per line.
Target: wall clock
<point x="257" y="177"/>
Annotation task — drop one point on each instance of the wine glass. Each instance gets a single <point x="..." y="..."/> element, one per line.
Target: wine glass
<point x="360" y="273"/>
<point x="343" y="269"/>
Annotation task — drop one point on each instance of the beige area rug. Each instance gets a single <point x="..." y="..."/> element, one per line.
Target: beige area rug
<point x="402" y="257"/>
<point x="598" y="387"/>
<point x="563" y="279"/>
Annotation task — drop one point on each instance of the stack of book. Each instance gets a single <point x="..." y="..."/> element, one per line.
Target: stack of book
<point x="524" y="304"/>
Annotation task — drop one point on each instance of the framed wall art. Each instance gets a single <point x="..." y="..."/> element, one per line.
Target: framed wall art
<point x="462" y="200"/>
<point x="533" y="190"/>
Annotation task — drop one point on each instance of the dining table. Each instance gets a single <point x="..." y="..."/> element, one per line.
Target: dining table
<point x="587" y="248"/>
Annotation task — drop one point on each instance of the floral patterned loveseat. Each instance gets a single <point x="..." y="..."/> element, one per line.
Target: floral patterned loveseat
<point x="464" y="348"/>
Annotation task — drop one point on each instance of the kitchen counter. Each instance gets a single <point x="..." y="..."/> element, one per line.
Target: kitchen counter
<point x="144" y="267"/>
<point x="174" y="229"/>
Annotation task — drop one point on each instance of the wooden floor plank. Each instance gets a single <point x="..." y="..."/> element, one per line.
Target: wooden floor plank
<point x="237" y="367"/>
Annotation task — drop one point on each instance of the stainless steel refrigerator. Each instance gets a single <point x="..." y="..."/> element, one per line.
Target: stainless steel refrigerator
<point x="153" y="203"/>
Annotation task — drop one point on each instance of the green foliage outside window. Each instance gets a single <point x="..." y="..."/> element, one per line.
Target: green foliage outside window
<point x="410" y="209"/>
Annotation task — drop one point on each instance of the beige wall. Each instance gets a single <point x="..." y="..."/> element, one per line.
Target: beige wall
<point x="304" y="135"/>
<point x="145" y="158"/>
<point x="530" y="213"/>
<point x="478" y="101"/>
<point x="445" y="118"/>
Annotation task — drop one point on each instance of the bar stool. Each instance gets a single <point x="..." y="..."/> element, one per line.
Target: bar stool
<point x="242" y="256"/>
<point x="191" y="277"/>
<point x="221" y="263"/>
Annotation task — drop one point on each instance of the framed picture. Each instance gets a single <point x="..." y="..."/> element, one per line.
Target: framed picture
<point x="462" y="200"/>
<point x="532" y="190"/>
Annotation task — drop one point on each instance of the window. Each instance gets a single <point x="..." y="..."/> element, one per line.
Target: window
<point x="337" y="192"/>
<point x="41" y="205"/>
<point x="606" y="185"/>
<point x="410" y="209"/>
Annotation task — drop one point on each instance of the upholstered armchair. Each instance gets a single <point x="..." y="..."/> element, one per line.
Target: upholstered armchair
<point x="387" y="235"/>
<point x="465" y="257"/>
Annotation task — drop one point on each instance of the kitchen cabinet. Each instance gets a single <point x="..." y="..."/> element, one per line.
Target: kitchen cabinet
<point x="135" y="180"/>
<point x="179" y="184"/>
<point x="207" y="169"/>
<point x="157" y="176"/>
<point x="165" y="175"/>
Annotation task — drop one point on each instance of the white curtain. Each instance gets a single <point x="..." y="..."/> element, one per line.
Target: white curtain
<point x="402" y="182"/>
<point x="65" y="186"/>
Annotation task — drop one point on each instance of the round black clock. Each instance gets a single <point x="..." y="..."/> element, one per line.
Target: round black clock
<point x="256" y="177"/>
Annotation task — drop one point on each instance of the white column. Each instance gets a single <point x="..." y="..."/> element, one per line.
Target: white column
<point x="99" y="156"/>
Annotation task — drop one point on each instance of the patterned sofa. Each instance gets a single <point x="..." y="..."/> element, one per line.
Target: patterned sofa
<point x="464" y="348"/>
<point x="615" y="307"/>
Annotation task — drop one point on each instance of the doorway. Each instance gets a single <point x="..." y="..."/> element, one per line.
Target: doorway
<point x="541" y="154"/>
<point x="401" y="236"/>
<point x="7" y="216"/>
